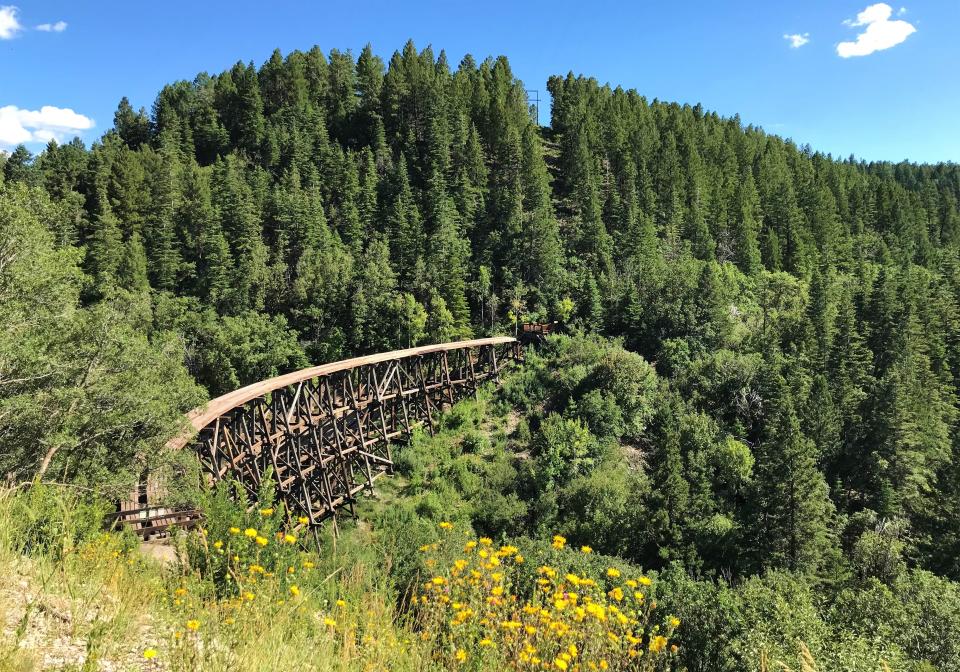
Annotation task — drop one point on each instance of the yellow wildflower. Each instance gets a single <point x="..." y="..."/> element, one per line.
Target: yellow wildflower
<point x="560" y="663"/>
<point x="486" y="541"/>
<point x="460" y="655"/>
<point x="266" y="513"/>
<point x="303" y="520"/>
<point x="294" y="590"/>
<point x="193" y="624"/>
<point x="613" y="573"/>
<point x="234" y="530"/>
<point x="329" y="622"/>
<point x="289" y="538"/>
<point x="674" y="621"/>
<point x="658" y="643"/>
<point x="261" y="541"/>
<point x="445" y="525"/>
<point x="559" y="542"/>
<point x="644" y="581"/>
<point x="250" y="532"/>
<point x="218" y="544"/>
<point x="586" y="549"/>
<point x="308" y="565"/>
<point x="149" y="654"/>
<point x="486" y="641"/>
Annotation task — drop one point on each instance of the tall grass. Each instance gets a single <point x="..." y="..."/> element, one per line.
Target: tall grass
<point x="75" y="597"/>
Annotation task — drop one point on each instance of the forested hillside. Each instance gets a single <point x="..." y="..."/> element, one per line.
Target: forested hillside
<point x="783" y="390"/>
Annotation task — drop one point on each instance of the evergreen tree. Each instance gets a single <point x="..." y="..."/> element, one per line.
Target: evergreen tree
<point x="745" y="222"/>
<point x="790" y="521"/>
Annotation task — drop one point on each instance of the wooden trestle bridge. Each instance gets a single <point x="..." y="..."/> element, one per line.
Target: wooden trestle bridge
<point x="324" y="434"/>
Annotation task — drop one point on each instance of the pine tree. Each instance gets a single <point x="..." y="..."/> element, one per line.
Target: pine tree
<point x="349" y="225"/>
<point x="241" y="108"/>
<point x="541" y="256"/>
<point x="132" y="272"/>
<point x="163" y="256"/>
<point x="207" y="251"/>
<point x="367" y="202"/>
<point x="239" y="220"/>
<point x="133" y="127"/>
<point x="105" y="249"/>
<point x="745" y="223"/>
<point x="790" y="522"/>
<point x="698" y="233"/>
<point x="447" y="255"/>
<point x="406" y="228"/>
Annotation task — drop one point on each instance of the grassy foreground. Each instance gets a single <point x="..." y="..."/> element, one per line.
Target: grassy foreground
<point x="244" y="594"/>
<point x="71" y="598"/>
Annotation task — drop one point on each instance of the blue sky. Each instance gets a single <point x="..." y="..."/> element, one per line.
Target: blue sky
<point x="901" y="101"/>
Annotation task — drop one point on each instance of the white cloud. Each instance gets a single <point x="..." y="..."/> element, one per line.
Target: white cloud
<point x="880" y="33"/>
<point x="57" y="27"/>
<point x="797" y="40"/>
<point x="48" y="123"/>
<point x="9" y="24"/>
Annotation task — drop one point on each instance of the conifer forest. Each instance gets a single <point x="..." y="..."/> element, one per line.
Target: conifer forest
<point x="753" y="397"/>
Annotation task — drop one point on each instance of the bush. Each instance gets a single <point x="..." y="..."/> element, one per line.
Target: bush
<point x="563" y="448"/>
<point x="480" y="609"/>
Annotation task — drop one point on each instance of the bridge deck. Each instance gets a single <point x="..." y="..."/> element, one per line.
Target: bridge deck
<point x="202" y="416"/>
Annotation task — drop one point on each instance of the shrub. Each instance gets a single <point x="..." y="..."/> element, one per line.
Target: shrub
<point x="480" y="610"/>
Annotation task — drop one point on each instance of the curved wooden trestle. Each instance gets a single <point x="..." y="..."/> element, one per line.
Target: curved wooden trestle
<point x="325" y="433"/>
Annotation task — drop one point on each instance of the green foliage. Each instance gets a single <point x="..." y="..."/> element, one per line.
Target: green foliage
<point x="562" y="449"/>
<point x="46" y="520"/>
<point x="87" y="393"/>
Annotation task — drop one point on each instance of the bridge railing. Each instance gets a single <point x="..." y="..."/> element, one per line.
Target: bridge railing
<point x="324" y="434"/>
